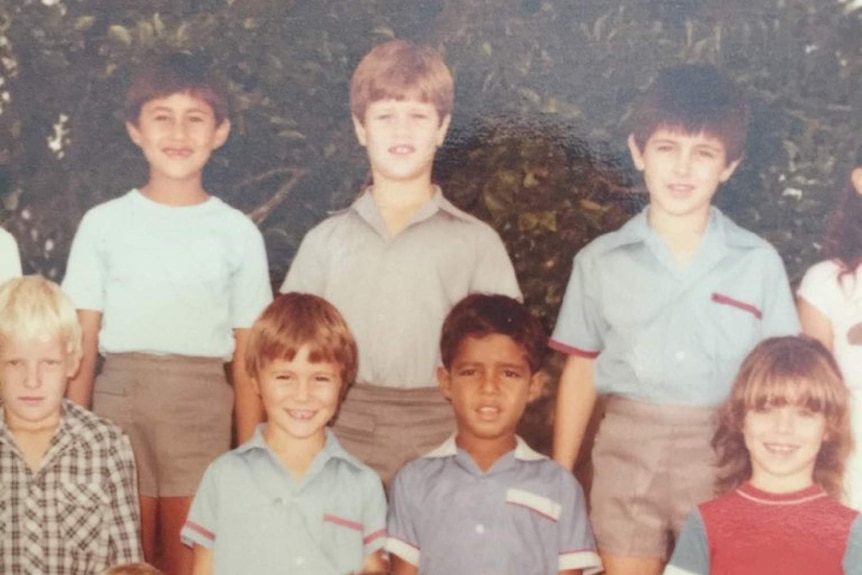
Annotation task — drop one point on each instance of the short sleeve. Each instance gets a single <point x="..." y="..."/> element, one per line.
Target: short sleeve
<point x="853" y="555"/>
<point x="779" y="309"/>
<point x="200" y="526"/>
<point x="10" y="259"/>
<point x="250" y="289"/>
<point x="494" y="272"/>
<point x="820" y="288"/>
<point x="691" y="554"/>
<point x="86" y="274"/>
<point x="579" y="326"/>
<point x="373" y="514"/>
<point x="307" y="272"/>
<point x="577" y="547"/>
<point x="402" y="537"/>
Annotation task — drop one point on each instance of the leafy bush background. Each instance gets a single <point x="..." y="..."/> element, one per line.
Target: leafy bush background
<point x="543" y="89"/>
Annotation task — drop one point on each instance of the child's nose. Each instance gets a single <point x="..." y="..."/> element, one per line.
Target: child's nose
<point x="682" y="164"/>
<point x="784" y="420"/>
<point x="303" y="391"/>
<point x="32" y="377"/>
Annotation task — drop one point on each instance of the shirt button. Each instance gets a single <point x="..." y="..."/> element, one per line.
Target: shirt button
<point x="680" y="355"/>
<point x="300" y="560"/>
<point x="480" y="528"/>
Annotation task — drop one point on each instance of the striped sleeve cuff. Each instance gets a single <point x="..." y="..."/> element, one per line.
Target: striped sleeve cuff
<point x="196" y="534"/>
<point x="403" y="549"/>
<point x="589" y="561"/>
<point x="374" y="541"/>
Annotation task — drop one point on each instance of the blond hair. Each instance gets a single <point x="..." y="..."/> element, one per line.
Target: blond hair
<point x="401" y="70"/>
<point x="32" y="307"/>
<point x="795" y="370"/>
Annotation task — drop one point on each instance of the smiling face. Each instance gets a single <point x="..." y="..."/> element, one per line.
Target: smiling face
<point x="783" y="442"/>
<point x="489" y="384"/>
<point x="300" y="397"/>
<point x="34" y="376"/>
<point x="401" y="137"/>
<point x="177" y="134"/>
<point x="682" y="173"/>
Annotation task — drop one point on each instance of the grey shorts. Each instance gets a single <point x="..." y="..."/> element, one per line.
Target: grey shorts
<point x="653" y="464"/>
<point x="176" y="411"/>
<point x="385" y="428"/>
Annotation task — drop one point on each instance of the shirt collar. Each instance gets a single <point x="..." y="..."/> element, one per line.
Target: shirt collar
<point x="522" y="452"/>
<point x="331" y="448"/>
<point x="719" y="227"/>
<point x="368" y="210"/>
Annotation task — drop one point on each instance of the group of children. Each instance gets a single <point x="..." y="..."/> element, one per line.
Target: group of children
<point x="400" y="325"/>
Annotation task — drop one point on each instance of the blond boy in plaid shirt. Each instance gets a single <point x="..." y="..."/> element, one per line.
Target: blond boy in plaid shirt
<point x="68" y="493"/>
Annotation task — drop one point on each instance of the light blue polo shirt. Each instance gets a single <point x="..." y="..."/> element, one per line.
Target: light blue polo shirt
<point x="670" y="334"/>
<point x="257" y="519"/>
<point x="526" y="515"/>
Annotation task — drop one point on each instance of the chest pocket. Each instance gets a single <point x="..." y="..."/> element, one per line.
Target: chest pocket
<point x="342" y="541"/>
<point x="737" y="322"/>
<point x="80" y="514"/>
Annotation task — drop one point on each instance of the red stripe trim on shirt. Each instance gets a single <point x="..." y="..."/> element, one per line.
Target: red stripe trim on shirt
<point x="343" y="522"/>
<point x="553" y="344"/>
<point x="372" y="536"/>
<point x="200" y="530"/>
<point x="534" y="510"/>
<point x="725" y="300"/>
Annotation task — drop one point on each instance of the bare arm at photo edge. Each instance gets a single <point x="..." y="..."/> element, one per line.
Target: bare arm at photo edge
<point x="576" y="396"/>
<point x="814" y="323"/>
<point x="248" y="409"/>
<point x="80" y="389"/>
<point x="202" y="561"/>
<point x="401" y="567"/>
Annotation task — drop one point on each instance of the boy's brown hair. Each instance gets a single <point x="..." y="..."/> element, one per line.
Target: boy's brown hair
<point x="782" y="370"/>
<point x="479" y="315"/>
<point x="294" y="320"/>
<point x="175" y="74"/>
<point x="693" y="98"/>
<point x="401" y="70"/>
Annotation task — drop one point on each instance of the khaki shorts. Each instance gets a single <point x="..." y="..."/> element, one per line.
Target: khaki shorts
<point x="653" y="464"/>
<point x="176" y="411"/>
<point x="385" y="428"/>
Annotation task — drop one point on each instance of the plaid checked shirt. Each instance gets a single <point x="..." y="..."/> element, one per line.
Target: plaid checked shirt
<point x="79" y="513"/>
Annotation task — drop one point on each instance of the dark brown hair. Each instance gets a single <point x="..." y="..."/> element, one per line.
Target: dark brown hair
<point x="842" y="241"/>
<point x="693" y="98"/>
<point x="478" y="315"/>
<point x="172" y="74"/>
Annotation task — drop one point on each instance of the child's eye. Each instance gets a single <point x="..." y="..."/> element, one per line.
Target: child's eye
<point x="467" y="371"/>
<point x="512" y="373"/>
<point x="323" y="378"/>
<point x="708" y="154"/>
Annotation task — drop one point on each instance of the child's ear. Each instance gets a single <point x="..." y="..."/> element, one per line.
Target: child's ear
<point x="73" y="365"/>
<point x="134" y="133"/>
<point x="359" y="128"/>
<point x="856" y="180"/>
<point x="728" y="170"/>
<point x="443" y="129"/>
<point x="635" y="151"/>
<point x="537" y="383"/>
<point x="444" y="381"/>
<point x="221" y="134"/>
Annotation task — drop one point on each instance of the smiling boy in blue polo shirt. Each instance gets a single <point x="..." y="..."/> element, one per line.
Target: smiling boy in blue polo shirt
<point x="484" y="502"/>
<point x="658" y="315"/>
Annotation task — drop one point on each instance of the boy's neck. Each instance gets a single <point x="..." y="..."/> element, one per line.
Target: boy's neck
<point x="486" y="452"/>
<point x="682" y="235"/>
<point x="399" y="201"/>
<point x="175" y="193"/>
<point x="296" y="454"/>
<point x="33" y="443"/>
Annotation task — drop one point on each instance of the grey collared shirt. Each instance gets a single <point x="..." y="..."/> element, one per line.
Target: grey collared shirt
<point x="395" y="291"/>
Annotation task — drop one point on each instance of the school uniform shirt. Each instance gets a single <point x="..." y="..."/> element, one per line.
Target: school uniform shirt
<point x="670" y="334"/>
<point x="78" y="514"/>
<point x="168" y="279"/>
<point x="10" y="260"/>
<point x="396" y="291"/>
<point x="526" y="515"/>
<point x="258" y="520"/>
<point x="752" y="532"/>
